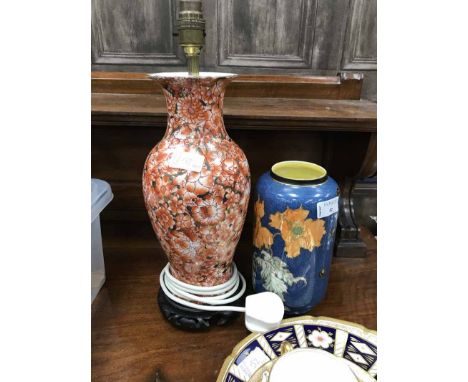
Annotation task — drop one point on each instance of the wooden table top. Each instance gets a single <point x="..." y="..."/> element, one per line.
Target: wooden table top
<point x="131" y="341"/>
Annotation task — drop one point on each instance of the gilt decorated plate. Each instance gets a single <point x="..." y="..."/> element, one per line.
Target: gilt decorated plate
<point x="253" y="358"/>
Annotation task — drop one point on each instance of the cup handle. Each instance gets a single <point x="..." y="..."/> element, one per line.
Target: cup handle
<point x="285" y="347"/>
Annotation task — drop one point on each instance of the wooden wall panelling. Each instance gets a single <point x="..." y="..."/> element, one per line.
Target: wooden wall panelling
<point x="317" y="37"/>
<point x="209" y="53"/>
<point x="360" y="50"/>
<point x="266" y="33"/>
<point x="369" y="86"/>
<point x="129" y="33"/>
<point x="330" y="28"/>
<point x="240" y="34"/>
<point x="360" y="44"/>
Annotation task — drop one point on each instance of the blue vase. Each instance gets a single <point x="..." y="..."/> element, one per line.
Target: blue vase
<point x="296" y="212"/>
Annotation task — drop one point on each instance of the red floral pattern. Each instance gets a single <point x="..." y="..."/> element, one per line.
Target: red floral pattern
<point x="197" y="216"/>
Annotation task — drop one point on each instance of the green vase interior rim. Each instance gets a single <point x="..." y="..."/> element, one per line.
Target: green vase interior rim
<point x="296" y="170"/>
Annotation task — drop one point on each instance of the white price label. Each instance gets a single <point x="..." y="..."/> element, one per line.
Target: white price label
<point x="187" y="160"/>
<point x="327" y="208"/>
<point x="252" y="362"/>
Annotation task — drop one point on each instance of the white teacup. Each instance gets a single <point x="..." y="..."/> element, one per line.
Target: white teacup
<point x="307" y="365"/>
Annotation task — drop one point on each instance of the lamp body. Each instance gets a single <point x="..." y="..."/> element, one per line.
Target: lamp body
<point x="196" y="181"/>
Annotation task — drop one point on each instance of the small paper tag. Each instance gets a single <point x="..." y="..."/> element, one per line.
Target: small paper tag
<point x="327" y="208"/>
<point x="252" y="362"/>
<point x="187" y="160"/>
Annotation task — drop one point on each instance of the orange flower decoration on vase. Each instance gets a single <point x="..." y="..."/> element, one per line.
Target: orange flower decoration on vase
<point x="262" y="236"/>
<point x="297" y="231"/>
<point x="196" y="181"/>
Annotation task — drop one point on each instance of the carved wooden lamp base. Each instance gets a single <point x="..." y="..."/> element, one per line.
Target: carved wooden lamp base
<point x="193" y="319"/>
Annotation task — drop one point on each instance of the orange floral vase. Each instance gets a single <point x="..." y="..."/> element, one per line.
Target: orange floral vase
<point x="196" y="181"/>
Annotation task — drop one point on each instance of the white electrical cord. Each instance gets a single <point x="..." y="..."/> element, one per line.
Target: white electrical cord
<point x="213" y="298"/>
<point x="263" y="311"/>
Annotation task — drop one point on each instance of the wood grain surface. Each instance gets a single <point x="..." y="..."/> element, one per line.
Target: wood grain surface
<point x="131" y="341"/>
<point x="342" y="86"/>
<point x="301" y="37"/>
<point x="319" y="103"/>
<point x="326" y="115"/>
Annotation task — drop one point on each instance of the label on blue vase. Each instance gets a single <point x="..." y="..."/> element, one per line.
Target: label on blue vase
<point x="327" y="208"/>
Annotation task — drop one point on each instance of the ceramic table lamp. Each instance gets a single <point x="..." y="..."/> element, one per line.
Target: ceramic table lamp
<point x="196" y="180"/>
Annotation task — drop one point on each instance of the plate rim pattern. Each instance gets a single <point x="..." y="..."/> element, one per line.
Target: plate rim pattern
<point x="356" y="329"/>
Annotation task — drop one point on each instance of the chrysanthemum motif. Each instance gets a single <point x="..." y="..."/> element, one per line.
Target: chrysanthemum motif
<point x="191" y="109"/>
<point x="176" y="205"/>
<point x="164" y="218"/>
<point x="208" y="212"/>
<point x="184" y="246"/>
<point x="297" y="231"/>
<point x="184" y="221"/>
<point x="262" y="236"/>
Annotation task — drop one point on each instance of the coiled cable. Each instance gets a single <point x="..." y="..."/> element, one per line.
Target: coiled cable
<point x="213" y="298"/>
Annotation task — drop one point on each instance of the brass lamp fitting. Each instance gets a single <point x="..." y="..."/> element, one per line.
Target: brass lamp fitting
<point x="191" y="28"/>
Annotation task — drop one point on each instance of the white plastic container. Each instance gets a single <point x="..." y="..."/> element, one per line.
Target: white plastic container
<point x="101" y="195"/>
